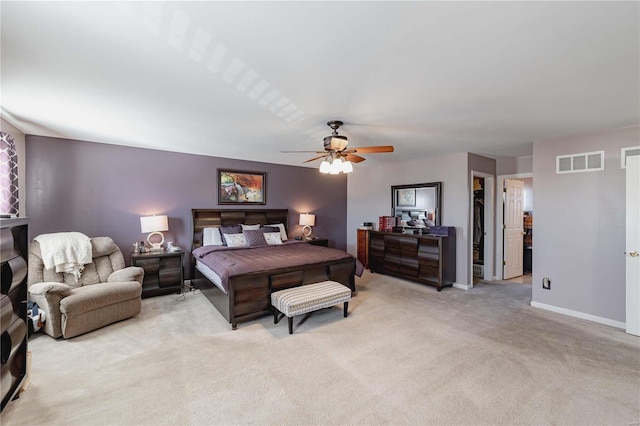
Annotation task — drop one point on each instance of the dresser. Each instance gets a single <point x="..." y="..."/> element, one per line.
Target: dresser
<point x="426" y="259"/>
<point x="13" y="306"/>
<point x="363" y="247"/>
<point x="163" y="272"/>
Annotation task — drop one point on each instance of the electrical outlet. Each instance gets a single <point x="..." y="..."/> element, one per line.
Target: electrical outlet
<point x="546" y="283"/>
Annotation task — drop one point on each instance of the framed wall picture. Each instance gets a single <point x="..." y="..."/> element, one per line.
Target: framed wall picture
<point x="406" y="197"/>
<point x="240" y="187"/>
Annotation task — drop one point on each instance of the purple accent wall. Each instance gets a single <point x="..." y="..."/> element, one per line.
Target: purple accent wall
<point x="101" y="189"/>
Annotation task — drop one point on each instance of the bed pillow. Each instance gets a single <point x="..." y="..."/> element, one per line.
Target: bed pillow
<point x="254" y="237"/>
<point x="235" y="240"/>
<point x="211" y="237"/>
<point x="273" y="238"/>
<point x="250" y="227"/>
<point x="268" y="228"/>
<point x="229" y="230"/>
<point x="283" y="232"/>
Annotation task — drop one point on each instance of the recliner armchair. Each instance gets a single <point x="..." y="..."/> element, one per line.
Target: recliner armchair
<point x="106" y="292"/>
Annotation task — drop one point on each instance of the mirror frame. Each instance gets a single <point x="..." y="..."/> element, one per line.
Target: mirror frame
<point x="438" y="201"/>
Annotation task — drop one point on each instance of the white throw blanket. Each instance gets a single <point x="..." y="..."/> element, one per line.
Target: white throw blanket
<point x="66" y="251"/>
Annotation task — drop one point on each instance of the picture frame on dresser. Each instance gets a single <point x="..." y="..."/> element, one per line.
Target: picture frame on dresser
<point x="242" y="187"/>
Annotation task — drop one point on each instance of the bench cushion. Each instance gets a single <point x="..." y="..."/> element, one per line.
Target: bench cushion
<point x="309" y="298"/>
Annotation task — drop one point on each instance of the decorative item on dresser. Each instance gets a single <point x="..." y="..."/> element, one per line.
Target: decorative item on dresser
<point x="426" y="259"/>
<point x="13" y="306"/>
<point x="163" y="272"/>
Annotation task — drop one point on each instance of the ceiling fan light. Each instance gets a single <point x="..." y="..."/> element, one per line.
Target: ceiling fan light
<point x="339" y="142"/>
<point x="336" y="166"/>
<point x="325" y="167"/>
<point x="347" y="167"/>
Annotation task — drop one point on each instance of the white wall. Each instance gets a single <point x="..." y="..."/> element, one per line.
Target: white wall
<point x="18" y="137"/>
<point x="579" y="226"/>
<point x="514" y="165"/>
<point x="369" y="196"/>
<point x="527" y="195"/>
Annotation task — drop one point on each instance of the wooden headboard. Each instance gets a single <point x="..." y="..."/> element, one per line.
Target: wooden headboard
<point x="211" y="218"/>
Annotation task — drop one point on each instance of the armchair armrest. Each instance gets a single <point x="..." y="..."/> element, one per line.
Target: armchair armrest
<point x="130" y="273"/>
<point x="50" y="287"/>
<point x="48" y="296"/>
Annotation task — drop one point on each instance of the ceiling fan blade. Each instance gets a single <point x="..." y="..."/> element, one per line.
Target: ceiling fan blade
<point x="296" y="152"/>
<point x="370" y="149"/>
<point x="354" y="158"/>
<point x="315" y="158"/>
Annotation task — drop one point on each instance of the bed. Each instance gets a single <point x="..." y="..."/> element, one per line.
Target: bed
<point x="242" y="292"/>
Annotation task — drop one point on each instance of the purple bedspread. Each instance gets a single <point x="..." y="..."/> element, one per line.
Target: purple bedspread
<point x="228" y="262"/>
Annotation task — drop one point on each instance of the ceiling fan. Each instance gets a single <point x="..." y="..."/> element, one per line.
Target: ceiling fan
<point x="337" y="157"/>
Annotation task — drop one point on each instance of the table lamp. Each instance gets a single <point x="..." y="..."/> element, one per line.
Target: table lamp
<point x="307" y="221"/>
<point x="154" y="225"/>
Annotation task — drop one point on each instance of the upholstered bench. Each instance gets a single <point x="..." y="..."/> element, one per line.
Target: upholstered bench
<point x="309" y="298"/>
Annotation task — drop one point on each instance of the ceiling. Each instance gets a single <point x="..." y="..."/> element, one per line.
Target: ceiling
<point x="250" y="79"/>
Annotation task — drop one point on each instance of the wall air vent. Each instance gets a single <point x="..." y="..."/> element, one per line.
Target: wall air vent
<point x="583" y="162"/>
<point x="626" y="153"/>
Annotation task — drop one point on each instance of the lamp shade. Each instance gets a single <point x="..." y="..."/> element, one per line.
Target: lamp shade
<point x="154" y="223"/>
<point x="325" y="167"/>
<point x="307" y="219"/>
<point x="336" y="167"/>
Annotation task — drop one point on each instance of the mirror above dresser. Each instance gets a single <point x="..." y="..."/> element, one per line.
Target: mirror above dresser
<point x="417" y="202"/>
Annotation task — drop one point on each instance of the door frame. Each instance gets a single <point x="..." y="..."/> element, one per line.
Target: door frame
<point x="489" y="220"/>
<point x="632" y="244"/>
<point x="499" y="234"/>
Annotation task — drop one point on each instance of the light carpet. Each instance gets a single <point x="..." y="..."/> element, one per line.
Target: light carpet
<point x="405" y="355"/>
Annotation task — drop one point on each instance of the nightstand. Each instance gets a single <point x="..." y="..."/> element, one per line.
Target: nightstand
<point x="318" y="242"/>
<point x="162" y="272"/>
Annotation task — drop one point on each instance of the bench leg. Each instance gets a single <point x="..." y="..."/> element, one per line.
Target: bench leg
<point x="346" y="308"/>
<point x="290" y="325"/>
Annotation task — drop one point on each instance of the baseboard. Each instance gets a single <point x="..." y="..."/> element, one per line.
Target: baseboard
<point x="463" y="286"/>
<point x="581" y="315"/>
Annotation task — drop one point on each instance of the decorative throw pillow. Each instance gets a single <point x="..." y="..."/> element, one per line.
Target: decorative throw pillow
<point x="283" y="232"/>
<point x="254" y="237"/>
<point x="250" y="227"/>
<point x="226" y="230"/>
<point x="211" y="237"/>
<point x="273" y="238"/>
<point x="235" y="240"/>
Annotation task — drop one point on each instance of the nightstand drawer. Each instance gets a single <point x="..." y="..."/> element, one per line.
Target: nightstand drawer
<point x="162" y="272"/>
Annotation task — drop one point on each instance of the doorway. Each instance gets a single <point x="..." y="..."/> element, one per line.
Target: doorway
<point x="478" y="231"/>
<point x="481" y="226"/>
<point x="504" y="254"/>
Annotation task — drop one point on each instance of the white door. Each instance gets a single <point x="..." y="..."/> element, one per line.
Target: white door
<point x="632" y="246"/>
<point x="513" y="230"/>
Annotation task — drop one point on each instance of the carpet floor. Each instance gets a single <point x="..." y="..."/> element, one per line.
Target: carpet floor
<point x="405" y="355"/>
